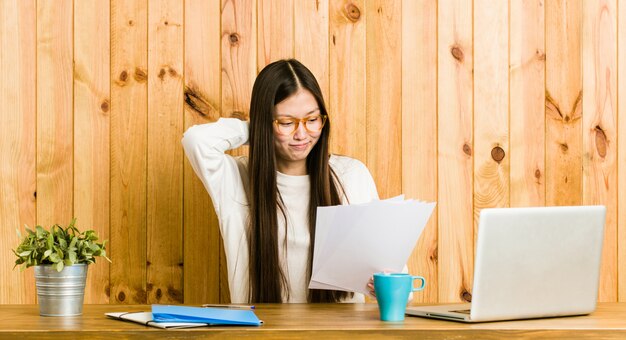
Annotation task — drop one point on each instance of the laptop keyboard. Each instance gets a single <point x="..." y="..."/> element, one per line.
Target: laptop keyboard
<point x="462" y="311"/>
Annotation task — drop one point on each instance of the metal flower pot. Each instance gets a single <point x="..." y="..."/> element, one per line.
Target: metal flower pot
<point x="60" y="293"/>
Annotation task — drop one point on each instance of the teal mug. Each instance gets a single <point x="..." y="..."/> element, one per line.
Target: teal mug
<point x="392" y="293"/>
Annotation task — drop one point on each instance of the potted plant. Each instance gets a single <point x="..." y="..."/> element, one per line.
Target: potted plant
<point x="61" y="256"/>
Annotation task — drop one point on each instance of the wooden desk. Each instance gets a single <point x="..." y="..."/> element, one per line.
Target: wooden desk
<point x="306" y="321"/>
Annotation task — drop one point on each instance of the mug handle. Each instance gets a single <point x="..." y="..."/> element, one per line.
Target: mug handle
<point x="416" y="289"/>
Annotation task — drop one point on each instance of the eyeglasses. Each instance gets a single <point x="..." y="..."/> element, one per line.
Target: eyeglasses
<point x="288" y="125"/>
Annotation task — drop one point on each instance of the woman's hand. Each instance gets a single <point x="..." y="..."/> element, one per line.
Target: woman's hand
<point x="370" y="283"/>
<point x="370" y="287"/>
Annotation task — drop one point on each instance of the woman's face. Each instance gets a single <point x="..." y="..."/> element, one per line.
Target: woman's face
<point x="293" y="148"/>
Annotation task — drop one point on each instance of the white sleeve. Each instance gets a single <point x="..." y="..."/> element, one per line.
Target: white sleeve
<point x="205" y="146"/>
<point x="369" y="186"/>
<point x="358" y="183"/>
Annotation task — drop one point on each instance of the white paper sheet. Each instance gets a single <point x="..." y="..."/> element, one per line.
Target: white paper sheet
<point x="324" y="221"/>
<point x="354" y="241"/>
<point x="145" y="318"/>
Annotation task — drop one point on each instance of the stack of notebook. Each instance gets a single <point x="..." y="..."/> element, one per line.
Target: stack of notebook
<point x="188" y="317"/>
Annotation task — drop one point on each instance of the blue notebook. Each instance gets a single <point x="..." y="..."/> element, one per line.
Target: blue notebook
<point x="213" y="316"/>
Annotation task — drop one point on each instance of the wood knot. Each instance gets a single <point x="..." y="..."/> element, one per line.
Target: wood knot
<point x="131" y="23"/>
<point x="600" y="141"/>
<point x="353" y="13"/>
<point x="434" y="255"/>
<point x="457" y="53"/>
<point x="166" y="23"/>
<point x="334" y="43"/>
<point x="124" y="76"/>
<point x="107" y="290"/>
<point x="567" y="119"/>
<point x="162" y="74"/>
<point x="197" y="101"/>
<point x="140" y="75"/>
<point x="497" y="154"/>
<point x="141" y="296"/>
<point x="174" y="294"/>
<point x="466" y="296"/>
<point x="121" y="297"/>
<point x="564" y="147"/>
<point x="172" y="72"/>
<point x="233" y="38"/>
<point x="158" y="294"/>
<point x="467" y="149"/>
<point x="238" y="114"/>
<point x="537" y="174"/>
<point x="552" y="108"/>
<point x="105" y="106"/>
<point x="35" y="194"/>
<point x="540" y="55"/>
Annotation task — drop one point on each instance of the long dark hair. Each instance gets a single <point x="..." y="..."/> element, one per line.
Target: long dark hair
<point x="275" y="83"/>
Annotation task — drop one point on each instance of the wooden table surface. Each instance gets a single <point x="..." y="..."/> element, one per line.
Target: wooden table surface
<point x="309" y="320"/>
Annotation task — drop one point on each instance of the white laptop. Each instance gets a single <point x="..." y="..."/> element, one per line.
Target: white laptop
<point x="531" y="263"/>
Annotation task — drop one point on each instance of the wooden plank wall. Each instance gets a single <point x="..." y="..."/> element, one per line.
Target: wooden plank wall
<point x="18" y="109"/>
<point x="202" y="104"/>
<point x="129" y="148"/>
<point x="455" y="141"/>
<point x="470" y="103"/>
<point x="92" y="125"/>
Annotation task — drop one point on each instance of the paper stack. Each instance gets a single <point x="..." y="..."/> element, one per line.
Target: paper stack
<point x="354" y="241"/>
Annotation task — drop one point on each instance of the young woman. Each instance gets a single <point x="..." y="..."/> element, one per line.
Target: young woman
<point x="266" y="203"/>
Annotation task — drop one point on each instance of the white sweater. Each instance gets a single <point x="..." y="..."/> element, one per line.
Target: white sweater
<point x="225" y="178"/>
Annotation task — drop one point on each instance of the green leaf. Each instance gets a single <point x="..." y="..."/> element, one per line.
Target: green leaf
<point x="59" y="266"/>
<point x="50" y="240"/>
<point x="25" y="253"/>
<point x="72" y="257"/>
<point x="62" y="243"/>
<point x="59" y="251"/>
<point x="40" y="232"/>
<point x="104" y="254"/>
<point x="54" y="257"/>
<point x="73" y="242"/>
<point x="91" y="235"/>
